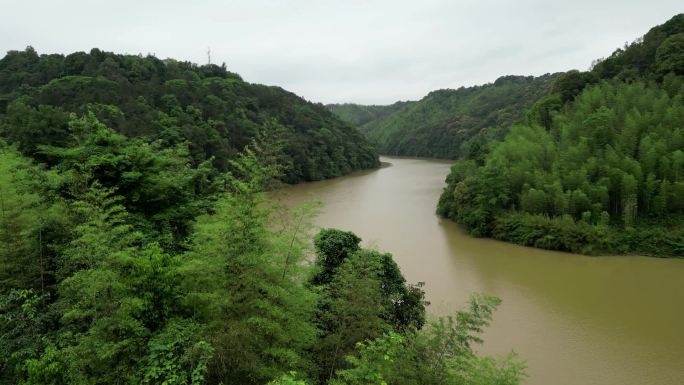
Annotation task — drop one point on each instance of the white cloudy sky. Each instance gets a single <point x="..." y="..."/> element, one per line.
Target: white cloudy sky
<point x="371" y="51"/>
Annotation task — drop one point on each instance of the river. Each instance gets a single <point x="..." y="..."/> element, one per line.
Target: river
<point x="575" y="320"/>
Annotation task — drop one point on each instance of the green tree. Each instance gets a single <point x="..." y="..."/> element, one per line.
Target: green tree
<point x="113" y="294"/>
<point x="670" y="55"/>
<point x="333" y="247"/>
<point x="442" y="353"/>
<point x="159" y="187"/>
<point x="258" y="315"/>
<point x="613" y="148"/>
<point x="352" y="311"/>
<point x="534" y="201"/>
<point x="32" y="223"/>
<point x="173" y="102"/>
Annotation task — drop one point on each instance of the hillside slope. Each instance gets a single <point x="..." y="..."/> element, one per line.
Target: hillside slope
<point x="598" y="166"/>
<point x="359" y="114"/>
<point x="437" y="125"/>
<point x="213" y="110"/>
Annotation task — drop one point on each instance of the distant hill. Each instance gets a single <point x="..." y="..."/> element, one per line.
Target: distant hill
<point x="358" y="114"/>
<point x="211" y="109"/>
<point x="438" y="125"/>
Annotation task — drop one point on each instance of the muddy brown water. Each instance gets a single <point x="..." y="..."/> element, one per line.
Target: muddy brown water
<point x="575" y="320"/>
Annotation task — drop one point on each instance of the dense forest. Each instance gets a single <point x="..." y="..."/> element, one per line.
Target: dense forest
<point x="438" y="125"/>
<point x="597" y="164"/>
<point x="168" y="103"/>
<point x="138" y="246"/>
<point x="359" y="114"/>
<point x="124" y="263"/>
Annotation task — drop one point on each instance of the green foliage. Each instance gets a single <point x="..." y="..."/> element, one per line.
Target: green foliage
<point x="24" y="323"/>
<point x="113" y="295"/>
<point x="30" y="127"/>
<point x="175" y="357"/>
<point x="352" y="311"/>
<point x="288" y="379"/>
<point x="405" y="304"/>
<point x="439" y="124"/>
<point x="332" y="248"/>
<point x="508" y="370"/>
<point x="364" y="295"/>
<point x="245" y="283"/>
<point x="551" y="233"/>
<point x="160" y="188"/>
<point x="89" y="295"/>
<point x="375" y="362"/>
<point x="442" y="353"/>
<point x="33" y="228"/>
<point x="464" y="122"/>
<point x="641" y="58"/>
<point x="571" y="83"/>
<point x="233" y="308"/>
<point x="670" y="55"/>
<point x="169" y="102"/>
<point x="29" y="223"/>
<point x="541" y="113"/>
<point x="597" y="164"/>
<point x="114" y="300"/>
<point x="610" y="161"/>
<point x="358" y="115"/>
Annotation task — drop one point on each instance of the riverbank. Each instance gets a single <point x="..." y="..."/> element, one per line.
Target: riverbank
<point x="569" y="235"/>
<point x="566" y="234"/>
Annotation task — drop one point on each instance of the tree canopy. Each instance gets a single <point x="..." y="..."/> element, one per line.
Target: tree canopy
<point x="440" y="124"/>
<point x="122" y="263"/>
<point x="207" y="108"/>
<point x="596" y="165"/>
<point x="358" y="114"/>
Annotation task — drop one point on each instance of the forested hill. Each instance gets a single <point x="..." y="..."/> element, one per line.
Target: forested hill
<point x="598" y="165"/>
<point x="438" y="125"/>
<point x="211" y="109"/>
<point x="127" y="259"/>
<point x="358" y="114"/>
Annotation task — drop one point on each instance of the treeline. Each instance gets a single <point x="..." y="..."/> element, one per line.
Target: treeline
<point x="172" y="103"/>
<point x="438" y="125"/>
<point x="123" y="263"/>
<point x="359" y="114"/>
<point x="598" y="164"/>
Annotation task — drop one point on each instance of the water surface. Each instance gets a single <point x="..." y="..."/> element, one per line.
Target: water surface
<point x="576" y="320"/>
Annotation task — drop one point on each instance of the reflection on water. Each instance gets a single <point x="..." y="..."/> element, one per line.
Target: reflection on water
<point x="575" y="319"/>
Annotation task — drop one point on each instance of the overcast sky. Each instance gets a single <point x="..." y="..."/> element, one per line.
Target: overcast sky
<point x="344" y="50"/>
